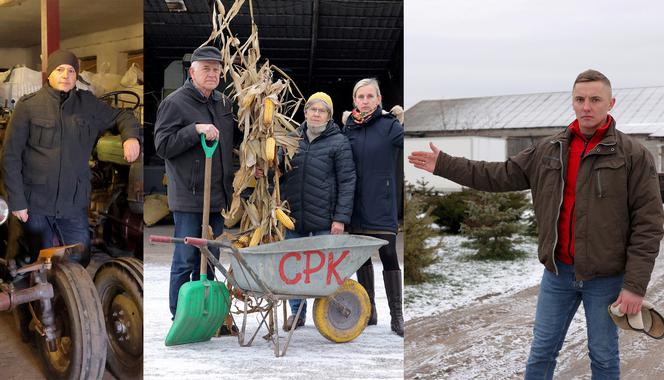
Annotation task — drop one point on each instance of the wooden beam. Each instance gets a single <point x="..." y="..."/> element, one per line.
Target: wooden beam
<point x="50" y="30"/>
<point x="314" y="42"/>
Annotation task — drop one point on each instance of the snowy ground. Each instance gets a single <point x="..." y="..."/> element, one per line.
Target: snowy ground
<point x="487" y="330"/>
<point x="376" y="354"/>
<point x="461" y="281"/>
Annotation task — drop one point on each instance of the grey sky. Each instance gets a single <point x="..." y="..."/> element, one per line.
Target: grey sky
<point x="471" y="48"/>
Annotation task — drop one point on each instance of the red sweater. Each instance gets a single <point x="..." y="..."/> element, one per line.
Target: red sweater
<point x="579" y="147"/>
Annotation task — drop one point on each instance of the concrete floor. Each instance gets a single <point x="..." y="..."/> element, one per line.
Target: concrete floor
<point x="17" y="359"/>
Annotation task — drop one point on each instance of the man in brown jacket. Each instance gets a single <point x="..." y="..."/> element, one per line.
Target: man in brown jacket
<point x="599" y="212"/>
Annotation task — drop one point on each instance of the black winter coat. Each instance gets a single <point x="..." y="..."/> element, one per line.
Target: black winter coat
<point x="375" y="144"/>
<point x="47" y="147"/>
<point x="320" y="186"/>
<point x="177" y="142"/>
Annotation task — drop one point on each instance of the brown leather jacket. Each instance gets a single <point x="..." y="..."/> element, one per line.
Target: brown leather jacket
<point x="618" y="213"/>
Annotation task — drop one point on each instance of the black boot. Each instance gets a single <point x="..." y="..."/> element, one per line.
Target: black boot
<point x="392" y="279"/>
<point x="365" y="276"/>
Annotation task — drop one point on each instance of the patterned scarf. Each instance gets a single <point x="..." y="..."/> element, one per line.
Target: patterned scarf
<point x="362" y="117"/>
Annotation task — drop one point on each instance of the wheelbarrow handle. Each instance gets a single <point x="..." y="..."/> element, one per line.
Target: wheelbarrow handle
<point x="198" y="242"/>
<point x="165" y="239"/>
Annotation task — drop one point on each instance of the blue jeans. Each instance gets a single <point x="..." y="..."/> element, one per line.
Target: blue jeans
<point x="558" y="300"/>
<point x="40" y="231"/>
<point x="186" y="262"/>
<point x="295" y="303"/>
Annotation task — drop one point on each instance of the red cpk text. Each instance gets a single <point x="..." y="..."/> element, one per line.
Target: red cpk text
<point x="330" y="265"/>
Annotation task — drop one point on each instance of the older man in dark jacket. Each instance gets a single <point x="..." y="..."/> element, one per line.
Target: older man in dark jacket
<point x="320" y="186"/>
<point x="599" y="211"/>
<point x="46" y="152"/>
<point x="195" y="108"/>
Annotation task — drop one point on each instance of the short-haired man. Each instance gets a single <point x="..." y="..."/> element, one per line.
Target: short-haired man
<point x="46" y="152"/>
<point x="195" y="108"/>
<point x="599" y="212"/>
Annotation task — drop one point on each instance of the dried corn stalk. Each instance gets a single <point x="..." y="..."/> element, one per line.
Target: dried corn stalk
<point x="265" y="116"/>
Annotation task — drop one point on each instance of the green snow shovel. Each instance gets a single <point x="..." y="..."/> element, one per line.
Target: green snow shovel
<point x="202" y="305"/>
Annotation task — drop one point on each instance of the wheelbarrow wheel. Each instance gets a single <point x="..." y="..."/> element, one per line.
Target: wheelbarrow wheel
<point x="120" y="286"/>
<point x="79" y="323"/>
<point x="330" y="319"/>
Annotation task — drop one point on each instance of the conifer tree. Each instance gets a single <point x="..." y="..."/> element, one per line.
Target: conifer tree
<point x="419" y="251"/>
<point x="491" y="222"/>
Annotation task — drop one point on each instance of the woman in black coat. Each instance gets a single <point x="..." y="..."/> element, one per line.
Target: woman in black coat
<point x="376" y="137"/>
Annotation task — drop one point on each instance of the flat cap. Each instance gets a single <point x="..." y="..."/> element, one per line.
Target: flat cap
<point x="206" y="53"/>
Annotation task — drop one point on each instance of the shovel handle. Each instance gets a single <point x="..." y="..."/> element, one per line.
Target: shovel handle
<point x="209" y="150"/>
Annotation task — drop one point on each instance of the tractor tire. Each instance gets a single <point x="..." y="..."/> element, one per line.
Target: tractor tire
<point x="120" y="286"/>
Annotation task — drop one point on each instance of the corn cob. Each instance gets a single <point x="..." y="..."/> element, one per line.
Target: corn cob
<point x="270" y="145"/>
<point x="284" y="219"/>
<point x="246" y="101"/>
<point x="256" y="237"/>
<point x="244" y="239"/>
<point x="268" y="111"/>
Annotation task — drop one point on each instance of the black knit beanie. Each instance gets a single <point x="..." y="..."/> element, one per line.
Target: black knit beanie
<point x="61" y="57"/>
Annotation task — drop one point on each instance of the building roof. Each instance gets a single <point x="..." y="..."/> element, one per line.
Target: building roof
<point x="637" y="111"/>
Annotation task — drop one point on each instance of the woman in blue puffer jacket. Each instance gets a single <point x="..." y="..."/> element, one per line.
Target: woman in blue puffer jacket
<point x="375" y="137"/>
<point x="320" y="185"/>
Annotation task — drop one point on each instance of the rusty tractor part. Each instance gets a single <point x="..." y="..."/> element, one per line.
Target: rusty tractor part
<point x="10" y="300"/>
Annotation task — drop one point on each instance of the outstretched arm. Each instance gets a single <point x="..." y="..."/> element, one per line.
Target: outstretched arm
<point x="510" y="175"/>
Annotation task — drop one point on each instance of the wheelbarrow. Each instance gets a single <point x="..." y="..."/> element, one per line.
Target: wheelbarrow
<point x="310" y="267"/>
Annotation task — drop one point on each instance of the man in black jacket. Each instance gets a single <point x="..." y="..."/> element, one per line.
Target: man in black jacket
<point x="195" y="108"/>
<point x="46" y="151"/>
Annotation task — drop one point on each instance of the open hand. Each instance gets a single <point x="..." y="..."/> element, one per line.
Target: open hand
<point x="425" y="160"/>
